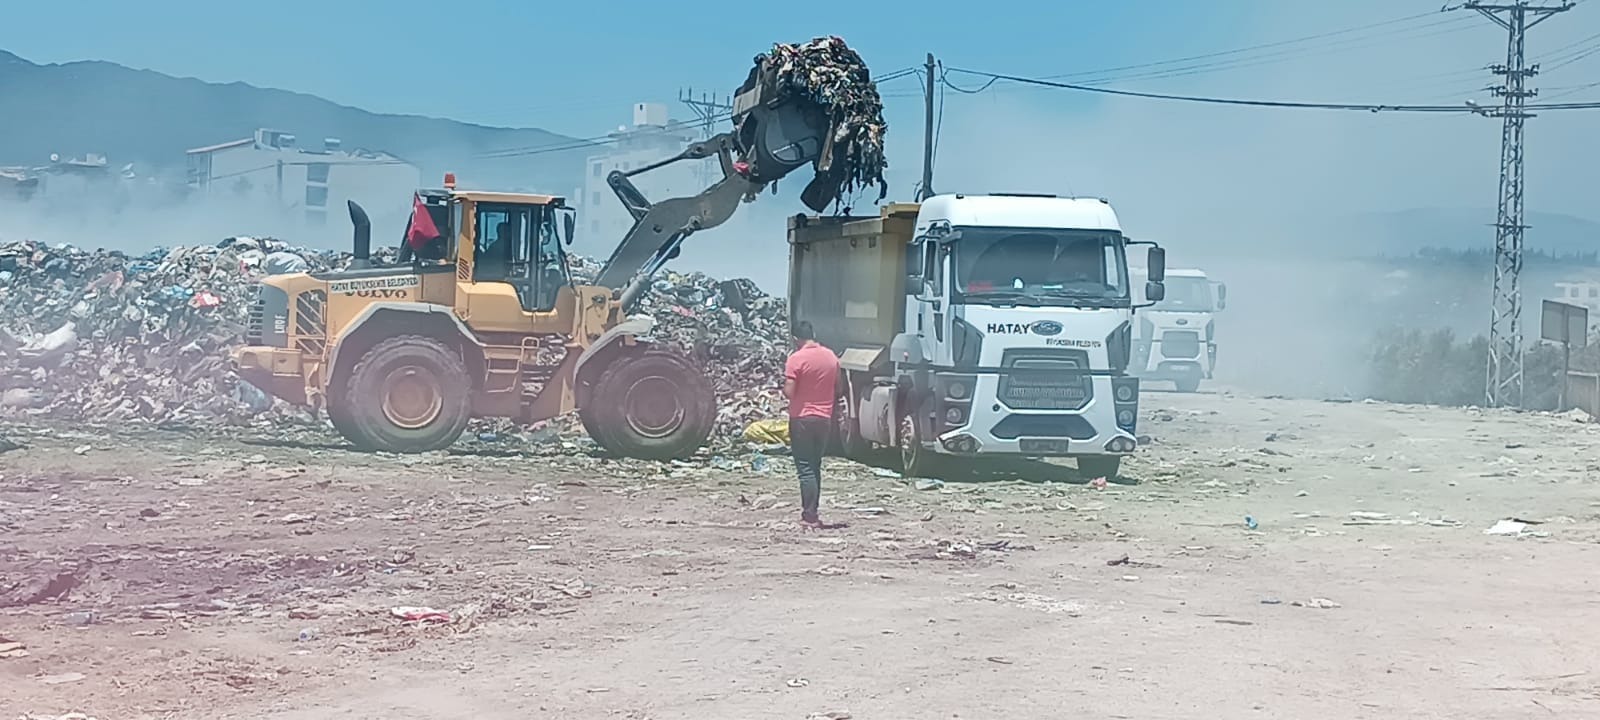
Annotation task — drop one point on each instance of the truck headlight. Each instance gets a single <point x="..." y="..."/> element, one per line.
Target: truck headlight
<point x="1125" y="417"/>
<point x="955" y="415"/>
<point x="958" y="390"/>
<point x="1124" y="393"/>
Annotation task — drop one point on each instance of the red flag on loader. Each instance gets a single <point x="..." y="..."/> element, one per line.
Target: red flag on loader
<point x="421" y="229"/>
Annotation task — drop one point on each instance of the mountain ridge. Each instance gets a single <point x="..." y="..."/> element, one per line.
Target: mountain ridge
<point x="159" y="116"/>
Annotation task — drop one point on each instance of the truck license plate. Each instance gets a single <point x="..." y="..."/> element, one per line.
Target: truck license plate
<point x="1043" y="446"/>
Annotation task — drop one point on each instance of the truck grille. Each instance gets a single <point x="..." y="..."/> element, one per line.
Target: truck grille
<point x="255" y="327"/>
<point x="1180" y="344"/>
<point x="1036" y="380"/>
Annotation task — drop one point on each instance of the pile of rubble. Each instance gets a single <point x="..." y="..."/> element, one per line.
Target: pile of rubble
<point x="105" y="336"/>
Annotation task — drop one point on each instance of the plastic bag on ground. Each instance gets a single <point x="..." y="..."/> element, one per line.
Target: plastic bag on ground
<point x="768" y="432"/>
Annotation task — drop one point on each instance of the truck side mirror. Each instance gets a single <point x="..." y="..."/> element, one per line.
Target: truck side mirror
<point x="1156" y="264"/>
<point x="1154" y="292"/>
<point x="569" y="224"/>
<point x="1222" y="296"/>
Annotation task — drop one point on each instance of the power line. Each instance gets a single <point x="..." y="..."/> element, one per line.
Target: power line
<point x="1238" y="51"/>
<point x="1371" y="107"/>
<point x="1571" y="90"/>
<point x="1451" y="25"/>
<point x="1249" y="102"/>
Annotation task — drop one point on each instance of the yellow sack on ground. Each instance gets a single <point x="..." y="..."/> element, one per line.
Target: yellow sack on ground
<point x="768" y="432"/>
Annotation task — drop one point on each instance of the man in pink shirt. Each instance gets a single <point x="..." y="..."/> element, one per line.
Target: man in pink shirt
<point x="809" y="379"/>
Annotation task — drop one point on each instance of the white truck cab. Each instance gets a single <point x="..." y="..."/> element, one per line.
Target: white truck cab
<point x="1175" y="338"/>
<point x="1013" y="331"/>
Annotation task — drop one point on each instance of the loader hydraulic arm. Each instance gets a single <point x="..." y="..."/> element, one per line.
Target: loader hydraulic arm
<point x="659" y="229"/>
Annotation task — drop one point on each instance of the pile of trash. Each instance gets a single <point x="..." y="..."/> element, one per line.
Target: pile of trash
<point x="829" y="75"/>
<point x="733" y="329"/>
<point x="106" y="336"/>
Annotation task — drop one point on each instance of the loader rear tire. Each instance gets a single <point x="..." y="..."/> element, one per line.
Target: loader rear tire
<point x="339" y="416"/>
<point x="408" y="394"/>
<point x="652" y="406"/>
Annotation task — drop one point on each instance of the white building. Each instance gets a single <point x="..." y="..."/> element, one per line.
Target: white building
<point x="1585" y="293"/>
<point x="652" y="138"/>
<point x="308" y="183"/>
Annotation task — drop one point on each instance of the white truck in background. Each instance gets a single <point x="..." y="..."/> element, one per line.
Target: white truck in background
<point x="1175" y="337"/>
<point x="976" y="326"/>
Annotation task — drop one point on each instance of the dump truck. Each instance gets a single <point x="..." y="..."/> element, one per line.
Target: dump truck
<point x="977" y="326"/>
<point x="1175" y="339"/>
<point x="482" y="318"/>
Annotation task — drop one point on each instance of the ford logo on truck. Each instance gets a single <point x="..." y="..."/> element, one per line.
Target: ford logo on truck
<point x="1042" y="327"/>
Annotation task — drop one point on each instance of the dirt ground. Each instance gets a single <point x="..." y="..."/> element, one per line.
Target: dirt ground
<point x="1274" y="558"/>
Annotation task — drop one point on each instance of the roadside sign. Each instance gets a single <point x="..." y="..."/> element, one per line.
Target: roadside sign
<point x="1564" y="323"/>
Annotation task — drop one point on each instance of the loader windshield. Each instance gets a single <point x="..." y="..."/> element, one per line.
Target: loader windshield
<point x="1041" y="266"/>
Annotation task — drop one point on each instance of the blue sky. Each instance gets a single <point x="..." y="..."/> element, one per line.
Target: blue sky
<point x="576" y="68"/>
<point x="1244" y="180"/>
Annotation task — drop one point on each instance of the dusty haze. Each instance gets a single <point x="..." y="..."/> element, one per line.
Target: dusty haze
<point x="1257" y="197"/>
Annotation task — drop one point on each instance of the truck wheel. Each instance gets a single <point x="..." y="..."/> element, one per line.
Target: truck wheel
<point x="851" y="444"/>
<point x="1187" y="384"/>
<point x="915" y="460"/>
<point x="1095" y="466"/>
<point x="408" y="394"/>
<point x="655" y="406"/>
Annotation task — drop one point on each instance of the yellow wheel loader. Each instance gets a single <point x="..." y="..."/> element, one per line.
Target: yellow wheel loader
<point x="481" y="318"/>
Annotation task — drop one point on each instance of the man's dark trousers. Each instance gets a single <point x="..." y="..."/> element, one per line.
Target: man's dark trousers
<point x="808" y="439"/>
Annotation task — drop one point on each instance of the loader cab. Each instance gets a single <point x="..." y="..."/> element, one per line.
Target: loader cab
<point x="516" y="239"/>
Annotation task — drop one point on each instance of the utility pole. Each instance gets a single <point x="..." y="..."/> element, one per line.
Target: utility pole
<point x="1504" y="386"/>
<point x="926" y="189"/>
<point x="709" y="109"/>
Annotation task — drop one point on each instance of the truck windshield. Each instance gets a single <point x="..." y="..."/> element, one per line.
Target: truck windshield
<point x="1044" y="266"/>
<point x="1189" y="294"/>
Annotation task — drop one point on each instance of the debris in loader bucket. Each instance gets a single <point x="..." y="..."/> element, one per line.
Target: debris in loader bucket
<point x="834" y="89"/>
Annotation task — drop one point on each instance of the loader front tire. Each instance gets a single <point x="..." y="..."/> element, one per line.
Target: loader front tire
<point x="408" y="394"/>
<point x="652" y="406"/>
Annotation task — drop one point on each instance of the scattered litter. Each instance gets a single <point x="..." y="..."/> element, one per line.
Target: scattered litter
<point x="1250" y="522"/>
<point x="298" y="518"/>
<point x="575" y="588"/>
<point x="1316" y="603"/>
<point x="12" y="650"/>
<point x="1507" y="527"/>
<point x="928" y="484"/>
<point x="420" y="615"/>
<point x="63" y="678"/>
<point x="1098" y="483"/>
<point x="797" y="682"/>
<point x="998" y="660"/>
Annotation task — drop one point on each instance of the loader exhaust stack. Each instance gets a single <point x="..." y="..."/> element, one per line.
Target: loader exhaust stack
<point x="362" y="243"/>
